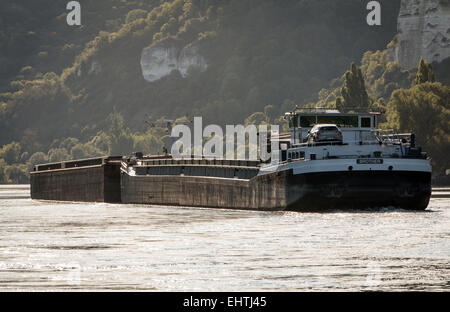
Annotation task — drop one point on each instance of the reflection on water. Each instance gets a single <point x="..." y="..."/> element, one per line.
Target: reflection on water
<point x="58" y="246"/>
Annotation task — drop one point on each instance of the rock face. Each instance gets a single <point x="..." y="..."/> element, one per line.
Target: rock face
<point x="424" y="30"/>
<point x="159" y="61"/>
<point x="189" y="56"/>
<point x="96" y="68"/>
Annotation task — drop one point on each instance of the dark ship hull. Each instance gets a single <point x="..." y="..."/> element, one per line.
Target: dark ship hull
<point x="360" y="190"/>
<point x="283" y="190"/>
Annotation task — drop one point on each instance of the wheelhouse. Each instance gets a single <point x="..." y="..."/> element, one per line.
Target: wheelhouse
<point x="355" y="126"/>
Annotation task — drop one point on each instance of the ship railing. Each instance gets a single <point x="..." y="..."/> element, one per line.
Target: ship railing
<point x="391" y="136"/>
<point x="320" y="143"/>
<point x="377" y="137"/>
<point x="353" y="156"/>
<point x="199" y="162"/>
<point x="338" y="143"/>
<point x="77" y="163"/>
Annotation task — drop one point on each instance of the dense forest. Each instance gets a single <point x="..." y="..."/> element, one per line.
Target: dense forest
<point x="79" y="91"/>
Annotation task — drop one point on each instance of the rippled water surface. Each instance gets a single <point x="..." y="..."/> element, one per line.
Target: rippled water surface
<point x="81" y="246"/>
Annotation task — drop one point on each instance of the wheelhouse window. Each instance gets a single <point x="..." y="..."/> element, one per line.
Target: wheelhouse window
<point x="307" y="121"/>
<point x="365" y="122"/>
<point x="340" y="121"/>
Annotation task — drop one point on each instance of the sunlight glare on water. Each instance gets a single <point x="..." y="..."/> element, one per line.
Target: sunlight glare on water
<point x="85" y="246"/>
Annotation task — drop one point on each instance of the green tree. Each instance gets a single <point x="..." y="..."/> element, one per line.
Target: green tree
<point x="69" y="143"/>
<point x="425" y="73"/>
<point x="134" y="15"/>
<point x="354" y="90"/>
<point x="147" y="143"/>
<point x="121" y="138"/>
<point x="37" y="158"/>
<point x="11" y="152"/>
<point x="3" y="176"/>
<point x="424" y="110"/>
<point x="258" y="118"/>
<point x="87" y="150"/>
<point x="17" y="174"/>
<point x="270" y="112"/>
<point x="58" y="154"/>
<point x="340" y="103"/>
<point x="102" y="142"/>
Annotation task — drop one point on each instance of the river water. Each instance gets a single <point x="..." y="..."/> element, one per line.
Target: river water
<point x="84" y="246"/>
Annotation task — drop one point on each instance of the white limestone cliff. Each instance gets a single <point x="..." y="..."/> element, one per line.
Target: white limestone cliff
<point x="158" y="61"/>
<point x="423" y="31"/>
<point x="189" y="56"/>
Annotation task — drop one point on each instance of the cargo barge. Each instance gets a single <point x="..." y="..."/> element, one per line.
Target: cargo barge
<point x="364" y="168"/>
<point x="86" y="180"/>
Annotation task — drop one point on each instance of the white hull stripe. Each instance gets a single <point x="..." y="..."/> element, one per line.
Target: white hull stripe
<point x="334" y="165"/>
